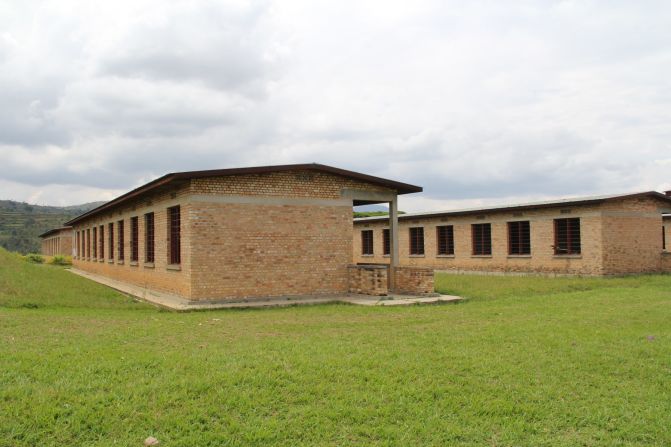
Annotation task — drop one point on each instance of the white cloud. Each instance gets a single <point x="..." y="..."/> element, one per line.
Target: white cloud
<point x="480" y="102"/>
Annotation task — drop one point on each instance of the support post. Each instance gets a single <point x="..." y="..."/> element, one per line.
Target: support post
<point x="393" y="242"/>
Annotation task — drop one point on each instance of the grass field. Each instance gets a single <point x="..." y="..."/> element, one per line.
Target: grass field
<point x="523" y="362"/>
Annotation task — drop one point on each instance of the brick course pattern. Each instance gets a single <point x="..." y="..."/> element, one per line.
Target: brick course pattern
<point x="617" y="237"/>
<point x="369" y="279"/>
<point x="414" y="280"/>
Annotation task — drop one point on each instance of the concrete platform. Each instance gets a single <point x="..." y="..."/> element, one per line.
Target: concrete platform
<point x="174" y="302"/>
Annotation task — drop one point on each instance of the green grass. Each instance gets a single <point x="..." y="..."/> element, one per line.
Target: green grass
<point x="23" y="284"/>
<point x="523" y="362"/>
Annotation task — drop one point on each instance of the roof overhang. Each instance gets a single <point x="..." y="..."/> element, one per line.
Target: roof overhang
<point x="176" y="177"/>
<point x="54" y="231"/>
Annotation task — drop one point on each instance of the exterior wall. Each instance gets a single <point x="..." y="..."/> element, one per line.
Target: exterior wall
<point x="369" y="279"/>
<point x="542" y="258"/>
<point x="617" y="237"/>
<point x="250" y="250"/>
<point x="631" y="235"/>
<point x="159" y="275"/>
<point x="278" y="234"/>
<point x="297" y="184"/>
<point x="59" y="243"/>
<point x="414" y="280"/>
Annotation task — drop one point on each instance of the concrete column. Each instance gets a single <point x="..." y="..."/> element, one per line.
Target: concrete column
<point x="393" y="241"/>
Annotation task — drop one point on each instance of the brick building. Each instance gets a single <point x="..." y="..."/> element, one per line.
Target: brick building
<point x="233" y="234"/>
<point x="607" y="235"/>
<point x="57" y="242"/>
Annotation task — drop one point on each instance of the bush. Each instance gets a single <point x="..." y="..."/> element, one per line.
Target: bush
<point x="61" y="260"/>
<point x="35" y="258"/>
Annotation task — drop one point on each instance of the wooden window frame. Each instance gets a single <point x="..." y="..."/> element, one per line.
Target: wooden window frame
<point x="481" y="239"/>
<point x="174" y="235"/>
<point x="573" y="245"/>
<point x="149" y="238"/>
<point x="519" y="238"/>
<point x="445" y="240"/>
<point x="416" y="239"/>
<point x="134" y="239"/>
<point x="88" y="243"/>
<point x="386" y="242"/>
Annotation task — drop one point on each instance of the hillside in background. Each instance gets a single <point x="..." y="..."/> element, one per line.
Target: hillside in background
<point x="372" y="211"/>
<point x="22" y="223"/>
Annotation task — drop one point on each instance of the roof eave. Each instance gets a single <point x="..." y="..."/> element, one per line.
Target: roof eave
<point x="54" y="230"/>
<point x="401" y="188"/>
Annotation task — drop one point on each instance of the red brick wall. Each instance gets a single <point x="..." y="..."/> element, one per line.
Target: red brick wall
<point x="252" y="250"/>
<point x="369" y="279"/>
<point x="632" y="237"/>
<point x="307" y="184"/>
<point x="414" y="280"/>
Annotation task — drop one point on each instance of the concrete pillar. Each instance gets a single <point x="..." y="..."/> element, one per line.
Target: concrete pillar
<point x="393" y="242"/>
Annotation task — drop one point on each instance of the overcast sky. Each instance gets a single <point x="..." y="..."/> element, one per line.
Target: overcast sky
<point x="480" y="102"/>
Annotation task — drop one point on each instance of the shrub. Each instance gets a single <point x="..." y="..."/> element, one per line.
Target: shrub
<point x="35" y="258"/>
<point x="61" y="260"/>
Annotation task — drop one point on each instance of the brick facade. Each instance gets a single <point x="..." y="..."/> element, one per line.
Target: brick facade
<point x="158" y="275"/>
<point x="57" y="242"/>
<point x="369" y="279"/>
<point x="242" y="236"/>
<point x="617" y="237"/>
<point x="414" y="280"/>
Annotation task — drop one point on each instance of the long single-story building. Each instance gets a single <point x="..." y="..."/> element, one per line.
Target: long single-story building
<point x="236" y="234"/>
<point x="605" y="235"/>
<point x="57" y="241"/>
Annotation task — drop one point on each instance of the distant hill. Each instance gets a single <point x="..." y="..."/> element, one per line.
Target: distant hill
<point x="370" y="208"/>
<point x="21" y="223"/>
<point x="372" y="211"/>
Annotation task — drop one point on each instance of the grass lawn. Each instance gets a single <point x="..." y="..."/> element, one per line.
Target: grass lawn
<point x="525" y="361"/>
